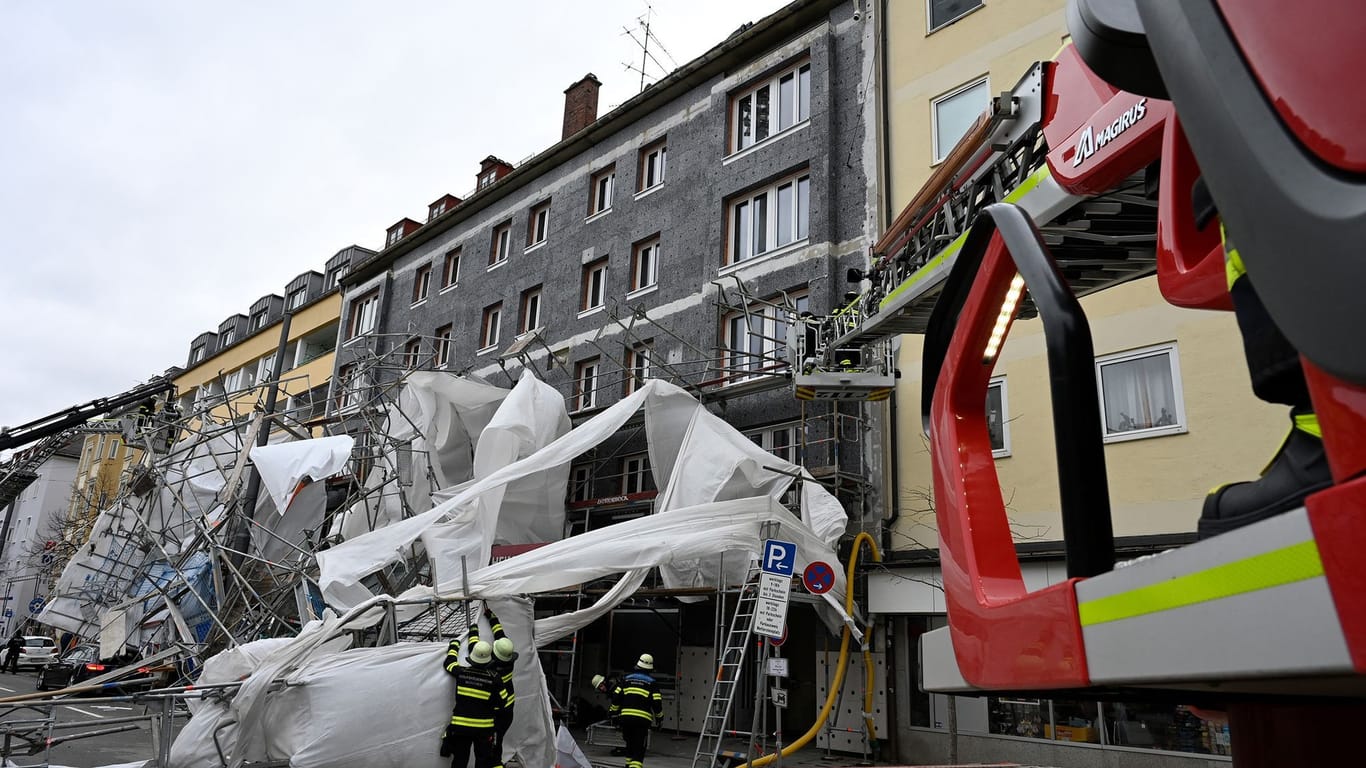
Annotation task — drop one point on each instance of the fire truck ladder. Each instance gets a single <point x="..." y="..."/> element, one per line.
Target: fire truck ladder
<point x="728" y="670"/>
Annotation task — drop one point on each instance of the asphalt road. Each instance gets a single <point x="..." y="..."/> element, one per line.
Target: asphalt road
<point x="92" y="752"/>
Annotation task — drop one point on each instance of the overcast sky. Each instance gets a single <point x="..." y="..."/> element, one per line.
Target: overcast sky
<point x="164" y="163"/>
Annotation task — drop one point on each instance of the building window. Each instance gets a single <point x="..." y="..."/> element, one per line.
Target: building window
<point x="297" y="298"/>
<point x="637" y="366"/>
<point x="594" y="285"/>
<point x="770" y="218"/>
<point x="335" y="274"/>
<point x="502" y="241"/>
<point x="258" y="320"/>
<point x="227" y="337"/>
<point x="645" y="264"/>
<point x="581" y="483"/>
<point x="998" y="423"/>
<point x="348" y="387"/>
<point x="395" y="235"/>
<point x="488" y="333"/>
<point x="1140" y="393"/>
<point x="530" y="318"/>
<point x="450" y="270"/>
<point x="364" y="314"/>
<point x="770" y="107"/>
<point x="944" y="12"/>
<point x="755" y="342"/>
<point x="586" y="380"/>
<point x="412" y="354"/>
<point x="443" y="346"/>
<point x="196" y="355"/>
<point x="781" y="441"/>
<point x="436" y="209"/>
<point x="635" y="474"/>
<point x="422" y="282"/>
<point x="954" y="114"/>
<point x="538" y="224"/>
<point x="600" y="190"/>
<point x="113" y="448"/>
<point x="487" y="178"/>
<point x="653" y="162"/>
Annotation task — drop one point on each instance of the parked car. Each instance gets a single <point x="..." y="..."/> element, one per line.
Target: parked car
<point x="83" y="663"/>
<point x="77" y="665"/>
<point x="37" y="651"/>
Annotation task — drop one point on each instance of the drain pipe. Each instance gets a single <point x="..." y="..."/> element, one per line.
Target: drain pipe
<point x="241" y="538"/>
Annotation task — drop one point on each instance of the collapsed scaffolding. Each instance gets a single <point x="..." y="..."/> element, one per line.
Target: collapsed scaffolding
<point x="191" y="560"/>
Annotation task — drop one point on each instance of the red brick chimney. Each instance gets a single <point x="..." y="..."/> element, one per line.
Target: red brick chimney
<point x="491" y="169"/>
<point x="581" y="104"/>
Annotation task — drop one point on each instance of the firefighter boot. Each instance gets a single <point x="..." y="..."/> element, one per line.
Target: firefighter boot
<point x="1298" y="469"/>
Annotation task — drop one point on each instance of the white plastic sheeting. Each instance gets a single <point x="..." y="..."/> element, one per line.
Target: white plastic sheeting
<point x="712" y="461"/>
<point x="283" y="466"/>
<point x="440" y="416"/>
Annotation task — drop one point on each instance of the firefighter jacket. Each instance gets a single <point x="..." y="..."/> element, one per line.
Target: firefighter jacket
<point x="480" y="695"/>
<point x="637" y="695"/>
<point x="503" y="668"/>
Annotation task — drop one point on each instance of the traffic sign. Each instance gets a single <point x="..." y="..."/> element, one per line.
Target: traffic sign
<point x="818" y="578"/>
<point x="777" y="666"/>
<point x="780" y="557"/>
<point x="9" y="613"/>
<point x="770" y="611"/>
<point x="780" y="697"/>
<point x="777" y="641"/>
<point x="35" y="605"/>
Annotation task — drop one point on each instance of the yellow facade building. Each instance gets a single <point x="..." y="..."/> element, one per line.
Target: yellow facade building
<point x="1177" y="409"/>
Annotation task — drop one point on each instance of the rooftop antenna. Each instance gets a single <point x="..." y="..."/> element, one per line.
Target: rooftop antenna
<point x="646" y="36"/>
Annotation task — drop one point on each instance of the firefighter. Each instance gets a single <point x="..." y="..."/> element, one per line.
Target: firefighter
<point x="1300" y="466"/>
<point x="504" y="656"/>
<point x="480" y="698"/>
<point x="636" y="706"/>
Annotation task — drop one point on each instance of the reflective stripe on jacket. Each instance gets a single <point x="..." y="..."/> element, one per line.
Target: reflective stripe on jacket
<point x="637" y="695"/>
<point x="480" y="695"/>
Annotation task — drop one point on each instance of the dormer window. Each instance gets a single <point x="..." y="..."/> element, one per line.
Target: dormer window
<point x="258" y="320"/>
<point x="227" y="337"/>
<point x="436" y="210"/>
<point x="395" y="235"/>
<point x="196" y="355"/>
<point x="297" y="298"/>
<point x="487" y="178"/>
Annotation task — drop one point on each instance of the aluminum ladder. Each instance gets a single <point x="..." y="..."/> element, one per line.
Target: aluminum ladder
<point x="728" y="671"/>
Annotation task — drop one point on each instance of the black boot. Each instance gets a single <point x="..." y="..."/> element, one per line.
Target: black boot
<point x="1297" y="470"/>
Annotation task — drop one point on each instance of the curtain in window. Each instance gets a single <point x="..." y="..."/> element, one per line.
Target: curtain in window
<point x="1139" y="394"/>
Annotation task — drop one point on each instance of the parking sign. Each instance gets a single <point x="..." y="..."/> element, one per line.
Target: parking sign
<point x="780" y="557"/>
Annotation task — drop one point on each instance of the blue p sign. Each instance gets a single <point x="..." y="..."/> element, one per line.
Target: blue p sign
<point x="779" y="557"/>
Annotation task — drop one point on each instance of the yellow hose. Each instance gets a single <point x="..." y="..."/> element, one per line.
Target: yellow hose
<point x="833" y="693"/>
<point x="868" y="691"/>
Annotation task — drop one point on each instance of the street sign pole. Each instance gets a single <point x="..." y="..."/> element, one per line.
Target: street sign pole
<point x="778" y="708"/>
<point x="760" y="688"/>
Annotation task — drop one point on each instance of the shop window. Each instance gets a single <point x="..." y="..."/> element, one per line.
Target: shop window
<point x="1140" y="393"/>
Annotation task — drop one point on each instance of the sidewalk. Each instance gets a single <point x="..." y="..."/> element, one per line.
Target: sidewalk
<point x="670" y="750"/>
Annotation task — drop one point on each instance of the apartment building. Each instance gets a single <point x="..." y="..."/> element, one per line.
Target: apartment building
<point x="1178" y="414"/>
<point x="677" y="237"/>
<point x="223" y="368"/>
<point x="32" y="520"/>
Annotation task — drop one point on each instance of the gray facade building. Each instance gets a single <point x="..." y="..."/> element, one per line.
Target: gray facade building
<point x="664" y="231"/>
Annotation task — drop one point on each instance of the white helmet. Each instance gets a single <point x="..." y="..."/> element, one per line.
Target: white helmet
<point x="502" y="648"/>
<point x="598" y="680"/>
<point x="646" y="661"/>
<point x="481" y="653"/>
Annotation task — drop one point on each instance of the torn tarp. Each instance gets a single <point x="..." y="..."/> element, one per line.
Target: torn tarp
<point x="283" y="466"/>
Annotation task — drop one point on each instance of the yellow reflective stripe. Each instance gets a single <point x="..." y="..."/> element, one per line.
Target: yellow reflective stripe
<point x="1297" y="562"/>
<point x="948" y="251"/>
<point x="1309" y="422"/>
<point x="1035" y="179"/>
<point x="1233" y="261"/>
<point x="637" y="713"/>
<point x="473" y="693"/>
<point x="472" y="722"/>
<point x="658" y="697"/>
<point x="636" y="691"/>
